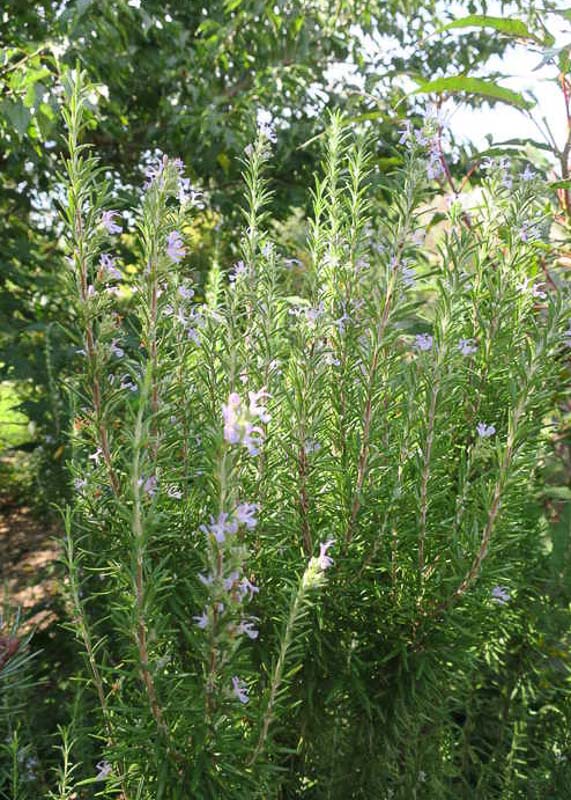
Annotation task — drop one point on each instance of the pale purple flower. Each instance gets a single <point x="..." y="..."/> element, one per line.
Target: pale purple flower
<point x="290" y="263"/>
<point x="323" y="559"/>
<point x="107" y="264"/>
<point x="245" y="514"/>
<point x="194" y="336"/>
<point x="265" y="126"/>
<point x="434" y="168"/>
<point x="91" y="290"/>
<point x="501" y="595"/>
<point x="202" y="620"/>
<point x="423" y="341"/>
<point x="117" y="351"/>
<point x="206" y="580"/>
<point x="529" y="232"/>
<point x="108" y="221"/>
<point x="507" y="181"/>
<point x="249" y="150"/>
<point x="188" y="195"/>
<point x="257" y="410"/>
<point x="408" y="276"/>
<point x="186" y="292"/>
<point x="149" y="485"/>
<point x="528" y="174"/>
<point x="230" y="411"/>
<point x="238" y="425"/>
<point x="248" y="629"/>
<point x="485" y="431"/>
<point x="240" y="689"/>
<point x="406" y="132"/>
<point x="127" y="383"/>
<point x="175" y="249"/>
<point x="155" y="171"/>
<point x="537" y="291"/>
<point x="295" y="311"/>
<point x="253" y="439"/>
<point x="103" y="770"/>
<point x="331" y="360"/>
<point x="96" y="456"/>
<point x="220" y="526"/>
<point x="246" y="587"/>
<point x="341" y="322"/>
<point x="311" y="446"/>
<point x="313" y="314"/>
<point x="231" y="581"/>
<point x="467" y="346"/>
<point x="79" y="484"/>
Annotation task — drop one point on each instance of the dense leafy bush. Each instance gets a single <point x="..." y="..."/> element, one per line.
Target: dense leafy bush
<point x="305" y="556"/>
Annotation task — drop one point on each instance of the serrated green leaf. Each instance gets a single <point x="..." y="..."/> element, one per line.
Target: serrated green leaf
<point x="476" y="86"/>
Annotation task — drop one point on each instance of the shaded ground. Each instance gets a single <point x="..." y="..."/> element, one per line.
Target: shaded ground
<point x="28" y="556"/>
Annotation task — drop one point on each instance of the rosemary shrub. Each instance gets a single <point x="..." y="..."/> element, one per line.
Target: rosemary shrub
<point x="305" y="552"/>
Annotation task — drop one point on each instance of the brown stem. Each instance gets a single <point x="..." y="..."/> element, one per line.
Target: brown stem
<point x="140" y="621"/>
<point x="302" y="465"/>
<point x="154" y="361"/>
<point x="368" y="413"/>
<point x="564" y="156"/>
<point x="103" y="440"/>
<point x="425" y="477"/>
<point x="143" y="651"/>
<point x="495" y="505"/>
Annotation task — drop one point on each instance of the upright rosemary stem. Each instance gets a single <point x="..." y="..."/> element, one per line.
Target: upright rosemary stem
<point x="295" y="608"/>
<point x="368" y="413"/>
<point x="139" y="542"/>
<point x="75" y="168"/>
<point x="426" y="475"/>
<point x="80" y="621"/>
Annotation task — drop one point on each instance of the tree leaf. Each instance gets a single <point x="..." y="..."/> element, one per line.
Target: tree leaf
<point x="561" y="184"/>
<point x="510" y="27"/>
<point x="524" y="143"/>
<point x="476" y="86"/>
<point x="18" y="115"/>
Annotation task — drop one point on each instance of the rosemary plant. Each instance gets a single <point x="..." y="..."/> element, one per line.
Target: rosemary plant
<point x="305" y="553"/>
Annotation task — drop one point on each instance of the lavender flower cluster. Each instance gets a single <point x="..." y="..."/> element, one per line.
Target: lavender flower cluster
<point x="228" y="588"/>
<point x="240" y="418"/>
